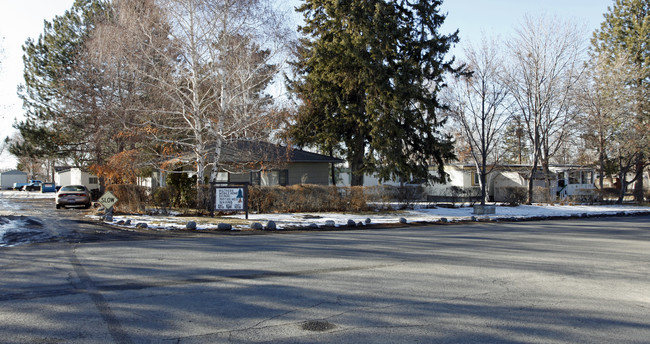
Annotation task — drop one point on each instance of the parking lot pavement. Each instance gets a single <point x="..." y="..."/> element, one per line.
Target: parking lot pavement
<point x="580" y="280"/>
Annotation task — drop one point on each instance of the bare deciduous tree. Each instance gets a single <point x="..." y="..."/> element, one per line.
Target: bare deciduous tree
<point x="103" y="90"/>
<point x="479" y="104"/>
<point x="604" y="101"/>
<point x="223" y="56"/>
<point x="546" y="65"/>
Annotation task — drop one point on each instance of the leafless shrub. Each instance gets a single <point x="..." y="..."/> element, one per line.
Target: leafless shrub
<point x="515" y="196"/>
<point x="132" y="198"/>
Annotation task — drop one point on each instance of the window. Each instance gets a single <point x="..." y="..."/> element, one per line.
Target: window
<point x="475" y="179"/>
<point x="223" y="177"/>
<point x="574" y="177"/>
<point x="270" y="178"/>
<point x="284" y="177"/>
<point x="74" y="188"/>
<point x="587" y="177"/>
<point x="256" y="178"/>
<point x="93" y="180"/>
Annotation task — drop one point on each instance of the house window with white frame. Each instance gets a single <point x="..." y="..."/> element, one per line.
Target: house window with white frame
<point x="475" y="179"/>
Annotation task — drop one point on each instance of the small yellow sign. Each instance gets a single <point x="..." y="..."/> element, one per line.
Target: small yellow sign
<point x="108" y="200"/>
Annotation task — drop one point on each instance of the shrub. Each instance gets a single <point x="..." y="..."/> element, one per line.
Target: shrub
<point x="294" y="198"/>
<point x="260" y="199"/>
<point x="305" y="198"/>
<point x="584" y="196"/>
<point x="409" y="194"/>
<point x="381" y="196"/>
<point x="455" y="192"/>
<point x="132" y="198"/>
<point x="161" y="198"/>
<point x="182" y="190"/>
<point x="609" y="194"/>
<point x="541" y="194"/>
<point x="171" y="196"/>
<point x="515" y="195"/>
<point x="472" y="193"/>
<point x="356" y="199"/>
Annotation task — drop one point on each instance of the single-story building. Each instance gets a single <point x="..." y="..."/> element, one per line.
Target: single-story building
<point x="263" y="163"/>
<point x="8" y="178"/>
<point x="565" y="181"/>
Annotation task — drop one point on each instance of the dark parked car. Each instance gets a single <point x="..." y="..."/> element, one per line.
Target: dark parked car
<point x="73" y="195"/>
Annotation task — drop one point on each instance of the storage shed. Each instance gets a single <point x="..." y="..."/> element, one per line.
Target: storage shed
<point x="8" y="178"/>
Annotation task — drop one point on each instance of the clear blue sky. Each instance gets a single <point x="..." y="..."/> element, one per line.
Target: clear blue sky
<point x="20" y="19"/>
<point x="475" y="18"/>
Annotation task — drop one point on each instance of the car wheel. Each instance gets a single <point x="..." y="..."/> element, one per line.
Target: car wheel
<point x="86" y="206"/>
<point x="58" y="206"/>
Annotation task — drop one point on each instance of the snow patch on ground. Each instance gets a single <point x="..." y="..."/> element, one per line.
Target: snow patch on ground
<point x="306" y="220"/>
<point x="27" y="194"/>
<point x="17" y="231"/>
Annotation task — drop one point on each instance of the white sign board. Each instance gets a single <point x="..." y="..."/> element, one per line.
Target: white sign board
<point x="108" y="200"/>
<point x="230" y="199"/>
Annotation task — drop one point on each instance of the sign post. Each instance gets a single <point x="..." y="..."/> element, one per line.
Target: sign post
<point x="231" y="197"/>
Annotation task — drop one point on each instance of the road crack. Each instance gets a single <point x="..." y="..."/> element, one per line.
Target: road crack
<point x="86" y="285"/>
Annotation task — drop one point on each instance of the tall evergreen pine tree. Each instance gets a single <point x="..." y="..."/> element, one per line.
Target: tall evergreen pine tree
<point x="368" y="74"/>
<point x="515" y="148"/>
<point x="49" y="62"/>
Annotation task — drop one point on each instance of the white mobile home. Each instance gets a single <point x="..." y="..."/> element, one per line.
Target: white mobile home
<point x="565" y="181"/>
<point x="75" y="176"/>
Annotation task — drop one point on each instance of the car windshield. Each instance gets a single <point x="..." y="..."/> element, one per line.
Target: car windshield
<point x="73" y="188"/>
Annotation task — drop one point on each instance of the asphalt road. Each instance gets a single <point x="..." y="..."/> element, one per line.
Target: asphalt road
<point x="24" y="220"/>
<point x="573" y="281"/>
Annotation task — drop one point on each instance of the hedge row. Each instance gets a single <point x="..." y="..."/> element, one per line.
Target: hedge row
<point x="269" y="199"/>
<point x="305" y="198"/>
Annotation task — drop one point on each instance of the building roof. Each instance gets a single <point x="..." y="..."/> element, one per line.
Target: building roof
<point x="513" y="167"/>
<point x="64" y="169"/>
<point x="257" y="151"/>
<point x="13" y="172"/>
